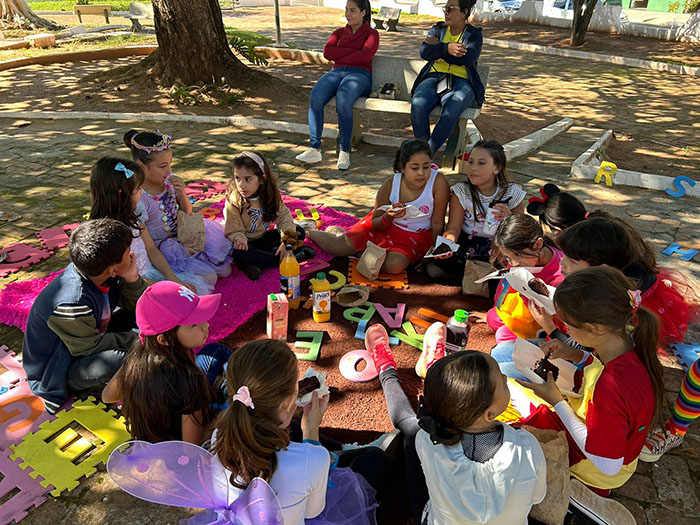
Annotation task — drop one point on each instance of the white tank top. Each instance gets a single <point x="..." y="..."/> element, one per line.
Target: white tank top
<point x="425" y="203"/>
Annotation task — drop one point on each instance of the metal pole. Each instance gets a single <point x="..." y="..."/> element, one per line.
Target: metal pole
<point x="278" y="31"/>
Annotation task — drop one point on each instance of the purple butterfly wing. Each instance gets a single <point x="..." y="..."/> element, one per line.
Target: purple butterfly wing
<point x="257" y="505"/>
<point x="172" y="473"/>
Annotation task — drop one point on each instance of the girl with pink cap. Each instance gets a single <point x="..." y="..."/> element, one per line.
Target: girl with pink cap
<point x="165" y="389"/>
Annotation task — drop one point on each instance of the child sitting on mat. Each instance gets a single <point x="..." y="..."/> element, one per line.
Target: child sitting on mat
<point x="165" y="390"/>
<point x="116" y="188"/>
<point x="163" y="197"/>
<point x="522" y="243"/>
<point x="253" y="202"/>
<point x="462" y="466"/>
<point x="487" y="185"/>
<point x="75" y="340"/>
<point x="409" y="213"/>
<point x="252" y="440"/>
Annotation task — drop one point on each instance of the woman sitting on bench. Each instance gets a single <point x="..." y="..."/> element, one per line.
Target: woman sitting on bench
<point x="351" y="48"/>
<point x="450" y="78"/>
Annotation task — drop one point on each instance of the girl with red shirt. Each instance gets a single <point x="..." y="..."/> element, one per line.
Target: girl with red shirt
<point x="351" y="48"/>
<point x="602" y="312"/>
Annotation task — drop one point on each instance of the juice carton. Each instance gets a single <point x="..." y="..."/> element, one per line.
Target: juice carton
<point x="277" y="316"/>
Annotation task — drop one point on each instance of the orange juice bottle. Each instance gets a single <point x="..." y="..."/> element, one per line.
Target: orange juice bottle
<point x="290" y="282"/>
<point x="322" y="298"/>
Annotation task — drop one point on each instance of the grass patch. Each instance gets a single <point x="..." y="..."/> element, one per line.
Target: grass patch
<point x="248" y="36"/>
<point x="67" y="5"/>
<point x="69" y="47"/>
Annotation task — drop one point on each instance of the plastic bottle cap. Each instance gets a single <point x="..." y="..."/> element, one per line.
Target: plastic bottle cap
<point x="461" y="315"/>
<point x="320" y="276"/>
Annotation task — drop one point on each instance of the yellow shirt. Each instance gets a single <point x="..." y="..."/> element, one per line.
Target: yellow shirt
<point x="443" y="67"/>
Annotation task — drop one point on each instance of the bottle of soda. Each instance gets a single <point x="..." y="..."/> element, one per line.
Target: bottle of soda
<point x="321" y="289"/>
<point x="457" y="331"/>
<point x="290" y="282"/>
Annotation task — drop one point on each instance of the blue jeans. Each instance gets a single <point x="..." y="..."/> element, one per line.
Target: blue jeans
<point x="347" y="84"/>
<point x="503" y="354"/>
<point x="425" y="98"/>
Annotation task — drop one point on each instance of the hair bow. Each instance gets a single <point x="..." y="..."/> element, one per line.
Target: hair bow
<point x="635" y="299"/>
<point x="243" y="395"/>
<point x="536" y="204"/>
<point x="127" y="172"/>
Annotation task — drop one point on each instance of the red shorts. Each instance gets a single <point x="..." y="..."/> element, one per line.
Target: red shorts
<point x="394" y="239"/>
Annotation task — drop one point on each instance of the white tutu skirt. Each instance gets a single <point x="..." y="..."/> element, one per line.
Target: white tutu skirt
<point x="215" y="258"/>
<point x="349" y="499"/>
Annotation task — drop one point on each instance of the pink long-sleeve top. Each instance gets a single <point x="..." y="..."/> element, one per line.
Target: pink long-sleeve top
<point x="346" y="48"/>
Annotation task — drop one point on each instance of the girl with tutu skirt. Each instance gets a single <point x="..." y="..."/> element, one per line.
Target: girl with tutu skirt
<point x="252" y="440"/>
<point x="115" y="186"/>
<point x="163" y="196"/>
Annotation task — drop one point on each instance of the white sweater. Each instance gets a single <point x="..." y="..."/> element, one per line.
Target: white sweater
<point x="500" y="491"/>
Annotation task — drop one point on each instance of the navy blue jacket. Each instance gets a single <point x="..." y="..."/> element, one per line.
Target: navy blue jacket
<point x="471" y="38"/>
<point x="64" y="324"/>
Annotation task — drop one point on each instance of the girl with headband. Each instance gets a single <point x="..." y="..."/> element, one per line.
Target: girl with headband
<point x="253" y="202"/>
<point x="163" y="198"/>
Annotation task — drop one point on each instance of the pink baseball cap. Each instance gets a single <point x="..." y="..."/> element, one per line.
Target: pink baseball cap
<point x="165" y="305"/>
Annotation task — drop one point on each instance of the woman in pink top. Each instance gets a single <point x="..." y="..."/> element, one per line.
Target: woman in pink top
<point x="351" y="48"/>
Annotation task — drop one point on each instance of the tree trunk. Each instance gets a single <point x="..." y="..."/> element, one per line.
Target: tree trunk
<point x="18" y="11"/>
<point x="192" y="44"/>
<point x="582" y="17"/>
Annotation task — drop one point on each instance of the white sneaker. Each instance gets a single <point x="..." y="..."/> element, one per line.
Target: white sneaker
<point x="658" y="443"/>
<point x="310" y="156"/>
<point x="604" y="511"/>
<point x="343" y="160"/>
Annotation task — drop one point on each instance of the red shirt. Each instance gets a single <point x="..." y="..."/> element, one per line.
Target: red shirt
<point x="346" y="48"/>
<point x="621" y="410"/>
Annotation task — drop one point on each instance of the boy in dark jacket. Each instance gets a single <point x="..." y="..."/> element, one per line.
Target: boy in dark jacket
<point x="75" y="341"/>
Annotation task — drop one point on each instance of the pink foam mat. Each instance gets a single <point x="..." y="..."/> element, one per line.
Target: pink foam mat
<point x="31" y="493"/>
<point x="17" y="298"/>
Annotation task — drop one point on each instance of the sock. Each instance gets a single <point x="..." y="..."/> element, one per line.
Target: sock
<point x="687" y="407"/>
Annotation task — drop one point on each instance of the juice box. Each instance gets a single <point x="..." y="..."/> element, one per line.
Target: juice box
<point x="277" y="316"/>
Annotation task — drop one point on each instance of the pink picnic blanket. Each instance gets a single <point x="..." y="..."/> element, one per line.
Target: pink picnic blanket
<point x="240" y="297"/>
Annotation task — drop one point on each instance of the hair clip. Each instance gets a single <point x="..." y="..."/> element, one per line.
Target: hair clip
<point x="635" y="299"/>
<point x="127" y="172"/>
<point x="243" y="395"/>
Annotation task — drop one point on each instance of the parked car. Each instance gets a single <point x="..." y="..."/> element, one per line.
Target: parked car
<point x="567" y="8"/>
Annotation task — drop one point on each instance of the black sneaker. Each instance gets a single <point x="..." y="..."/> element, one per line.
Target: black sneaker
<point x="252" y="272"/>
<point x="304" y="253"/>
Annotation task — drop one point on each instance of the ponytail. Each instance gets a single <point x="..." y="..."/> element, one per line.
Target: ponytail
<point x="600" y="295"/>
<point x="248" y="438"/>
<point x="646" y="339"/>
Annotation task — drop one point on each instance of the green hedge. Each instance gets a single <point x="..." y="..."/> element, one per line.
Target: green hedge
<point x="67" y="5"/>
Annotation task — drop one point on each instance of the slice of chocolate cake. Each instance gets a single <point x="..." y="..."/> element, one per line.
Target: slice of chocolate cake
<point x="538" y="286"/>
<point x="308" y="385"/>
<point x="443" y="248"/>
<point x="543" y="366"/>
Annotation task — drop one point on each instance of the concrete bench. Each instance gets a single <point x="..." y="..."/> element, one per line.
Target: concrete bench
<point x="139" y="13"/>
<point x="97" y="9"/>
<point x="402" y="72"/>
<point x="389" y="16"/>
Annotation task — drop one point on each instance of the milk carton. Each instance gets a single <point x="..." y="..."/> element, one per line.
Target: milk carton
<point x="277" y="316"/>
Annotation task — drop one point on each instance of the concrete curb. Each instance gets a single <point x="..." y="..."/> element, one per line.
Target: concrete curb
<point x="676" y="69"/>
<point x="256" y="123"/>
<point x="525" y="145"/>
<point x="97" y="54"/>
<point x="586" y="167"/>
